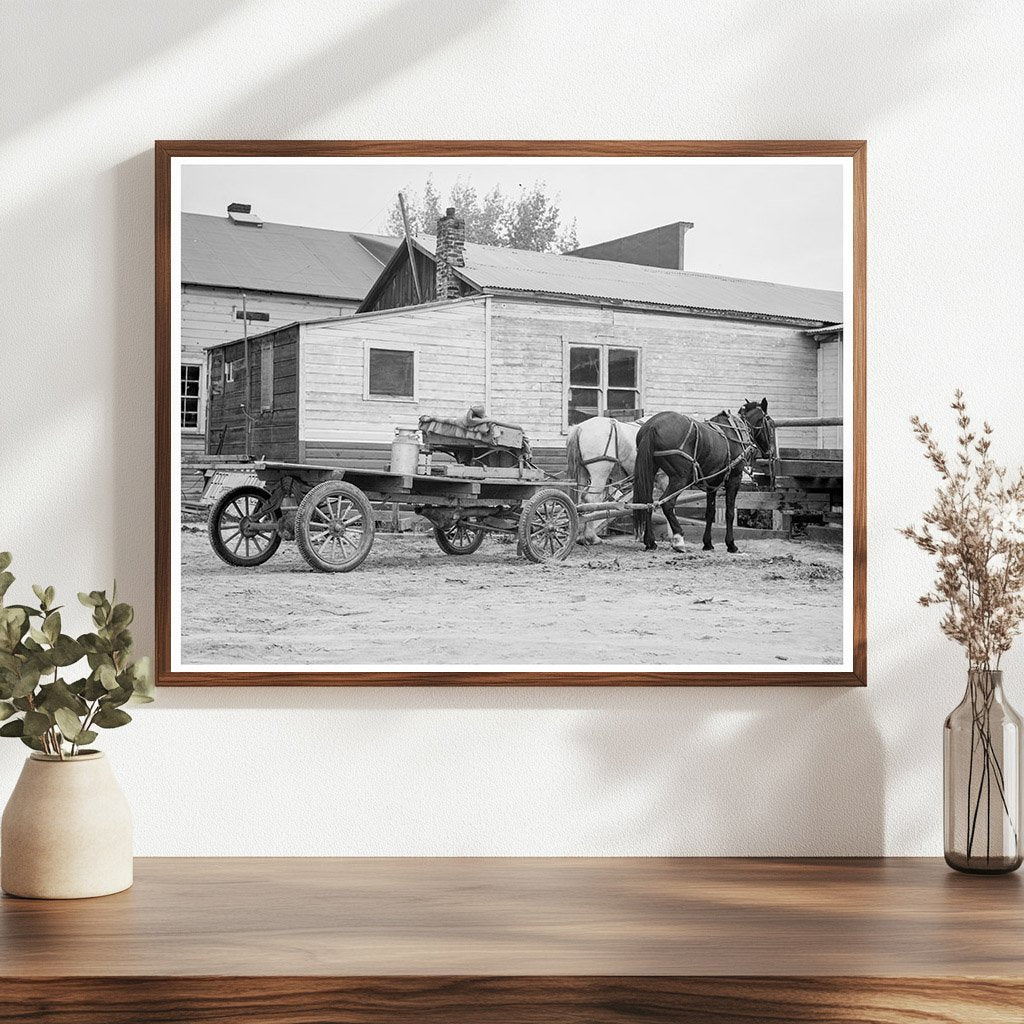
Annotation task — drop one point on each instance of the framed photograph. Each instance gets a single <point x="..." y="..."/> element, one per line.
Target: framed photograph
<point x="493" y="413"/>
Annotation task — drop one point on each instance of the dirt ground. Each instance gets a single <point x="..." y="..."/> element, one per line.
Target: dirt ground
<point x="774" y="602"/>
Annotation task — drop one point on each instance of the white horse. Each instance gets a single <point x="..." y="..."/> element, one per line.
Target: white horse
<point x="595" y="450"/>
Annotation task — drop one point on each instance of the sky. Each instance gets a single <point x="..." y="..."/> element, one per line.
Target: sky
<point x="769" y="222"/>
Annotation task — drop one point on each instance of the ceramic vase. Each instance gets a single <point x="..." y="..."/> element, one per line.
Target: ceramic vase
<point x="66" y="831"/>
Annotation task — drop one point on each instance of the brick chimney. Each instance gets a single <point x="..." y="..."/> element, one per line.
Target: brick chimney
<point x="451" y="252"/>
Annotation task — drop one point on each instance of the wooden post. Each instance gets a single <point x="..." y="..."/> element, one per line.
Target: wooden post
<point x="409" y="246"/>
<point x="248" y="382"/>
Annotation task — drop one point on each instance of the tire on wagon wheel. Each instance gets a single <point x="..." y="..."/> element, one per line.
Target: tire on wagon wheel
<point x="461" y="538"/>
<point x="334" y="526"/>
<point x="233" y="527"/>
<point x="548" y="526"/>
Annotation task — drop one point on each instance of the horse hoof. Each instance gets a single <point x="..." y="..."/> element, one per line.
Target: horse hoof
<point x="650" y="545"/>
<point x="709" y="547"/>
<point x="732" y="549"/>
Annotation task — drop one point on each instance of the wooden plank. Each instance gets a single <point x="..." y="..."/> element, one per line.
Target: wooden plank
<point x="812" y="454"/>
<point x="447" y="999"/>
<point x="806" y="467"/>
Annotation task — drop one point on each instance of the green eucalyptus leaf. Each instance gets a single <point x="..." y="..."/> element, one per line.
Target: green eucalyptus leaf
<point x="111" y="718"/>
<point x="66" y="651"/>
<point x="38" y="636"/>
<point x="22" y="703"/>
<point x="51" y="626"/>
<point x="59" y="695"/>
<point x="50" y="595"/>
<point x="142" y="679"/>
<point x="96" y="646"/>
<point x="29" y="611"/>
<point x="31" y="741"/>
<point x="6" y="579"/>
<point x="89" y="600"/>
<point x="86" y="736"/>
<point x="115" y="698"/>
<point x="27" y="682"/>
<point x="122" y="616"/>
<point x="94" y="689"/>
<point x="69" y="724"/>
<point x="6" y="710"/>
<point x="16" y="727"/>
<point x="40" y="593"/>
<point x="5" y="560"/>
<point x="107" y="676"/>
<point x="36" y="723"/>
<point x="13" y="626"/>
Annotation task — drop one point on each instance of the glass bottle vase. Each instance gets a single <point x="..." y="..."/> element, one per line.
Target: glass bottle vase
<point x="981" y="771"/>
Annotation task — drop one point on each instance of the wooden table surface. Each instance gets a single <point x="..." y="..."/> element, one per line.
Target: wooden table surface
<point x="504" y="939"/>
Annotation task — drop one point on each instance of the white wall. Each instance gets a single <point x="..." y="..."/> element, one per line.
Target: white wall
<point x="936" y="88"/>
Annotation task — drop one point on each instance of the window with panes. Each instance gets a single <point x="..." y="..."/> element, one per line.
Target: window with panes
<point x="191" y="375"/>
<point x="604" y="380"/>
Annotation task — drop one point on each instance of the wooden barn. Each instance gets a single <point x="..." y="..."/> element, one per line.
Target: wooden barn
<point x="286" y="272"/>
<point x="539" y="339"/>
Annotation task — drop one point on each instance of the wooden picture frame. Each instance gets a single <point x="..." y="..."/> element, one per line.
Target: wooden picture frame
<point x="851" y="673"/>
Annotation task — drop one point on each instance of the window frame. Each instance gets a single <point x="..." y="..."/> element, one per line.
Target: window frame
<point x="391" y="346"/>
<point x="603" y="345"/>
<point x="200" y="427"/>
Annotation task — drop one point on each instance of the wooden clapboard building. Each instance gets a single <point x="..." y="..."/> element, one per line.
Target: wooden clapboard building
<point x="540" y="339"/>
<point x="280" y="273"/>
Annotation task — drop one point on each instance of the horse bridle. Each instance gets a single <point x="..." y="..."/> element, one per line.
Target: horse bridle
<point x="766" y="430"/>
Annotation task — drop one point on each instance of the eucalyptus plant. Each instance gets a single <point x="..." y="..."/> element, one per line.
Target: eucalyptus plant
<point x="37" y="704"/>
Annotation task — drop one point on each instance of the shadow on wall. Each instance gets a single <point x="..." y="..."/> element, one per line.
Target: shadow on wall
<point x="333" y="77"/>
<point x="663" y="771"/>
<point x="80" y="58"/>
<point x="739" y="771"/>
<point x="798" y="67"/>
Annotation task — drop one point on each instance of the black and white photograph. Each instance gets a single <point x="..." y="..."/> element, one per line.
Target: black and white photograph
<point x="511" y="414"/>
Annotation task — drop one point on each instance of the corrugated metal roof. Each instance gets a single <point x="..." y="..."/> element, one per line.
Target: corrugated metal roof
<point x="492" y="267"/>
<point x="280" y="257"/>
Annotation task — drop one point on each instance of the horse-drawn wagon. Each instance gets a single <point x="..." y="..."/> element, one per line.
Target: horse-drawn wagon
<point x="482" y="482"/>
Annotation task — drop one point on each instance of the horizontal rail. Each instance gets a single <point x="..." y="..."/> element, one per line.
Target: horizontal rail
<point x="808" y="421"/>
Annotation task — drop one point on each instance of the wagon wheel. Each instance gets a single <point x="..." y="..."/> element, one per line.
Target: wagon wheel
<point x="238" y="523"/>
<point x="548" y="525"/>
<point x="460" y="538"/>
<point x="334" y="526"/>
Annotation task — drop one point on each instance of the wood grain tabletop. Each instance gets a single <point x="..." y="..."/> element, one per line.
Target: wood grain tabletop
<point x="516" y="916"/>
<point x="498" y="941"/>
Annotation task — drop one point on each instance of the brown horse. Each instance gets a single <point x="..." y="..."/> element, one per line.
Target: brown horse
<point x="707" y="455"/>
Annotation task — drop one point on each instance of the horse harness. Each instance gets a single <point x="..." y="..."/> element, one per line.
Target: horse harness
<point x="735" y="431"/>
<point x="606" y="456"/>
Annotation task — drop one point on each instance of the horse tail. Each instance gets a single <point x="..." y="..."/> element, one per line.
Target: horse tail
<point x="643" y="479"/>
<point x="574" y="458"/>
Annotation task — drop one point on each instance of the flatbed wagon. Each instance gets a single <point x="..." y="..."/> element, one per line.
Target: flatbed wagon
<point x="328" y="511"/>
